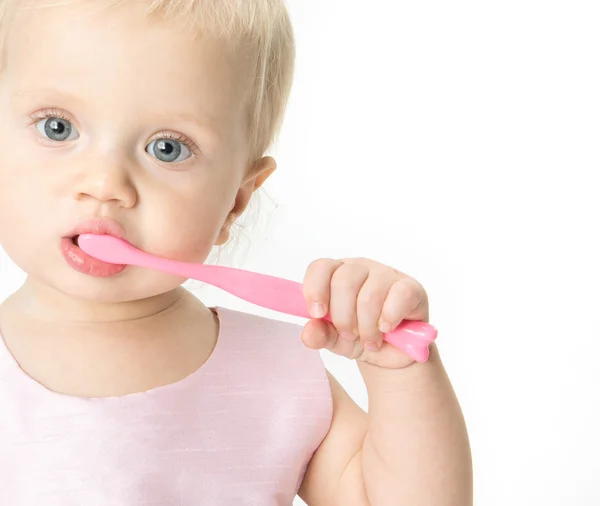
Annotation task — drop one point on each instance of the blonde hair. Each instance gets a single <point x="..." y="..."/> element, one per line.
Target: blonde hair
<point x="261" y="28"/>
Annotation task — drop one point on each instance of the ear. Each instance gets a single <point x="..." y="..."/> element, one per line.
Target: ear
<point x="259" y="172"/>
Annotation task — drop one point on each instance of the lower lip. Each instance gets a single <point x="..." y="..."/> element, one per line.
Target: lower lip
<point x="84" y="263"/>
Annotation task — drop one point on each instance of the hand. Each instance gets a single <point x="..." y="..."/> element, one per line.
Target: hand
<point x="364" y="300"/>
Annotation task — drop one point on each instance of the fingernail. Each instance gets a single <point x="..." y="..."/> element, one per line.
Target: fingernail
<point x="371" y="346"/>
<point x="318" y="310"/>
<point x="385" y="327"/>
<point x="348" y="336"/>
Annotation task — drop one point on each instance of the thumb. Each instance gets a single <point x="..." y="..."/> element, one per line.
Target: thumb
<point x="320" y="334"/>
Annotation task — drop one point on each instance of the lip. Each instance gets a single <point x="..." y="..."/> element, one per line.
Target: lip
<point x="81" y="261"/>
<point x="98" y="226"/>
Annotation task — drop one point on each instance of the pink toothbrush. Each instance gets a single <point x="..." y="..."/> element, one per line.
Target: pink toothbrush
<point x="270" y="292"/>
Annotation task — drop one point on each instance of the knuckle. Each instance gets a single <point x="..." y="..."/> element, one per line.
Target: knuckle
<point x="321" y="264"/>
<point x="342" y="284"/>
<point x="348" y="277"/>
<point x="316" y="279"/>
<point x="410" y="294"/>
<point x="408" y="288"/>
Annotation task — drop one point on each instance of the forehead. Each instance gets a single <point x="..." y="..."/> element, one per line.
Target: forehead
<point x="121" y="54"/>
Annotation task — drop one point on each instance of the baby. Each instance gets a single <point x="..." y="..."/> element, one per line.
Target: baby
<point x="149" y="120"/>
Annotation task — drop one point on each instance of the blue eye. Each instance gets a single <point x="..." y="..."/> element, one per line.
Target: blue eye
<point x="57" y="129"/>
<point x="169" y="150"/>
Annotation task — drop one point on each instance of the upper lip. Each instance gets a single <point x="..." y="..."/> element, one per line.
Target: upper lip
<point x="98" y="226"/>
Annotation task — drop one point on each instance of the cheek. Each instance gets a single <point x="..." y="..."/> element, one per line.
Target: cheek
<point x="186" y="227"/>
<point x="15" y="193"/>
<point x="27" y="193"/>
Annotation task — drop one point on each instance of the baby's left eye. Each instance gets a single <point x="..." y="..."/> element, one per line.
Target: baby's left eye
<point x="169" y="150"/>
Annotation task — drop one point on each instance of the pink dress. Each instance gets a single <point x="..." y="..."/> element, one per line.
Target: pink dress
<point x="239" y="431"/>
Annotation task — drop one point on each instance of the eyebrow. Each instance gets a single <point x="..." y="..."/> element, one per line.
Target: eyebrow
<point x="43" y="92"/>
<point x="206" y="127"/>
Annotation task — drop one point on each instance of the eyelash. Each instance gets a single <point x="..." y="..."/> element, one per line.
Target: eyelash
<point x="183" y="139"/>
<point x="48" y="113"/>
<point x="56" y="113"/>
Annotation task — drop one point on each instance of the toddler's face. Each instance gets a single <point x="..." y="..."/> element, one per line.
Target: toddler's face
<point x="105" y="113"/>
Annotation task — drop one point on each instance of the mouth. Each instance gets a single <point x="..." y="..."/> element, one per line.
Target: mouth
<point x="98" y="226"/>
<point x="80" y="261"/>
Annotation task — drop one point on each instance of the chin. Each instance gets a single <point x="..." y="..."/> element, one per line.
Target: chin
<point x="129" y="285"/>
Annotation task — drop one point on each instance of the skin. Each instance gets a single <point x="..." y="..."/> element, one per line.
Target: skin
<point x="115" y="86"/>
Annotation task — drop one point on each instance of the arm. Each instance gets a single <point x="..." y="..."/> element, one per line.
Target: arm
<point x="411" y="449"/>
<point x="416" y="450"/>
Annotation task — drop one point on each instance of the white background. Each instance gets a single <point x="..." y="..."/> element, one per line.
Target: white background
<point x="458" y="141"/>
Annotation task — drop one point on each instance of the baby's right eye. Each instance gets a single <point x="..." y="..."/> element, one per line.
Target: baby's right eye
<point x="57" y="129"/>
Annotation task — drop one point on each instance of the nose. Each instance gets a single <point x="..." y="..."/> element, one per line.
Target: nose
<point x="107" y="181"/>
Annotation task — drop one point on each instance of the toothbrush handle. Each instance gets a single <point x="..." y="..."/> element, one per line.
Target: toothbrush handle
<point x="284" y="296"/>
<point x="270" y="292"/>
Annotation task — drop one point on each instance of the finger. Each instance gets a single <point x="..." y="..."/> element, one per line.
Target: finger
<point x="317" y="285"/>
<point x="346" y="284"/>
<point x="320" y="334"/>
<point x="370" y="303"/>
<point x="407" y="299"/>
